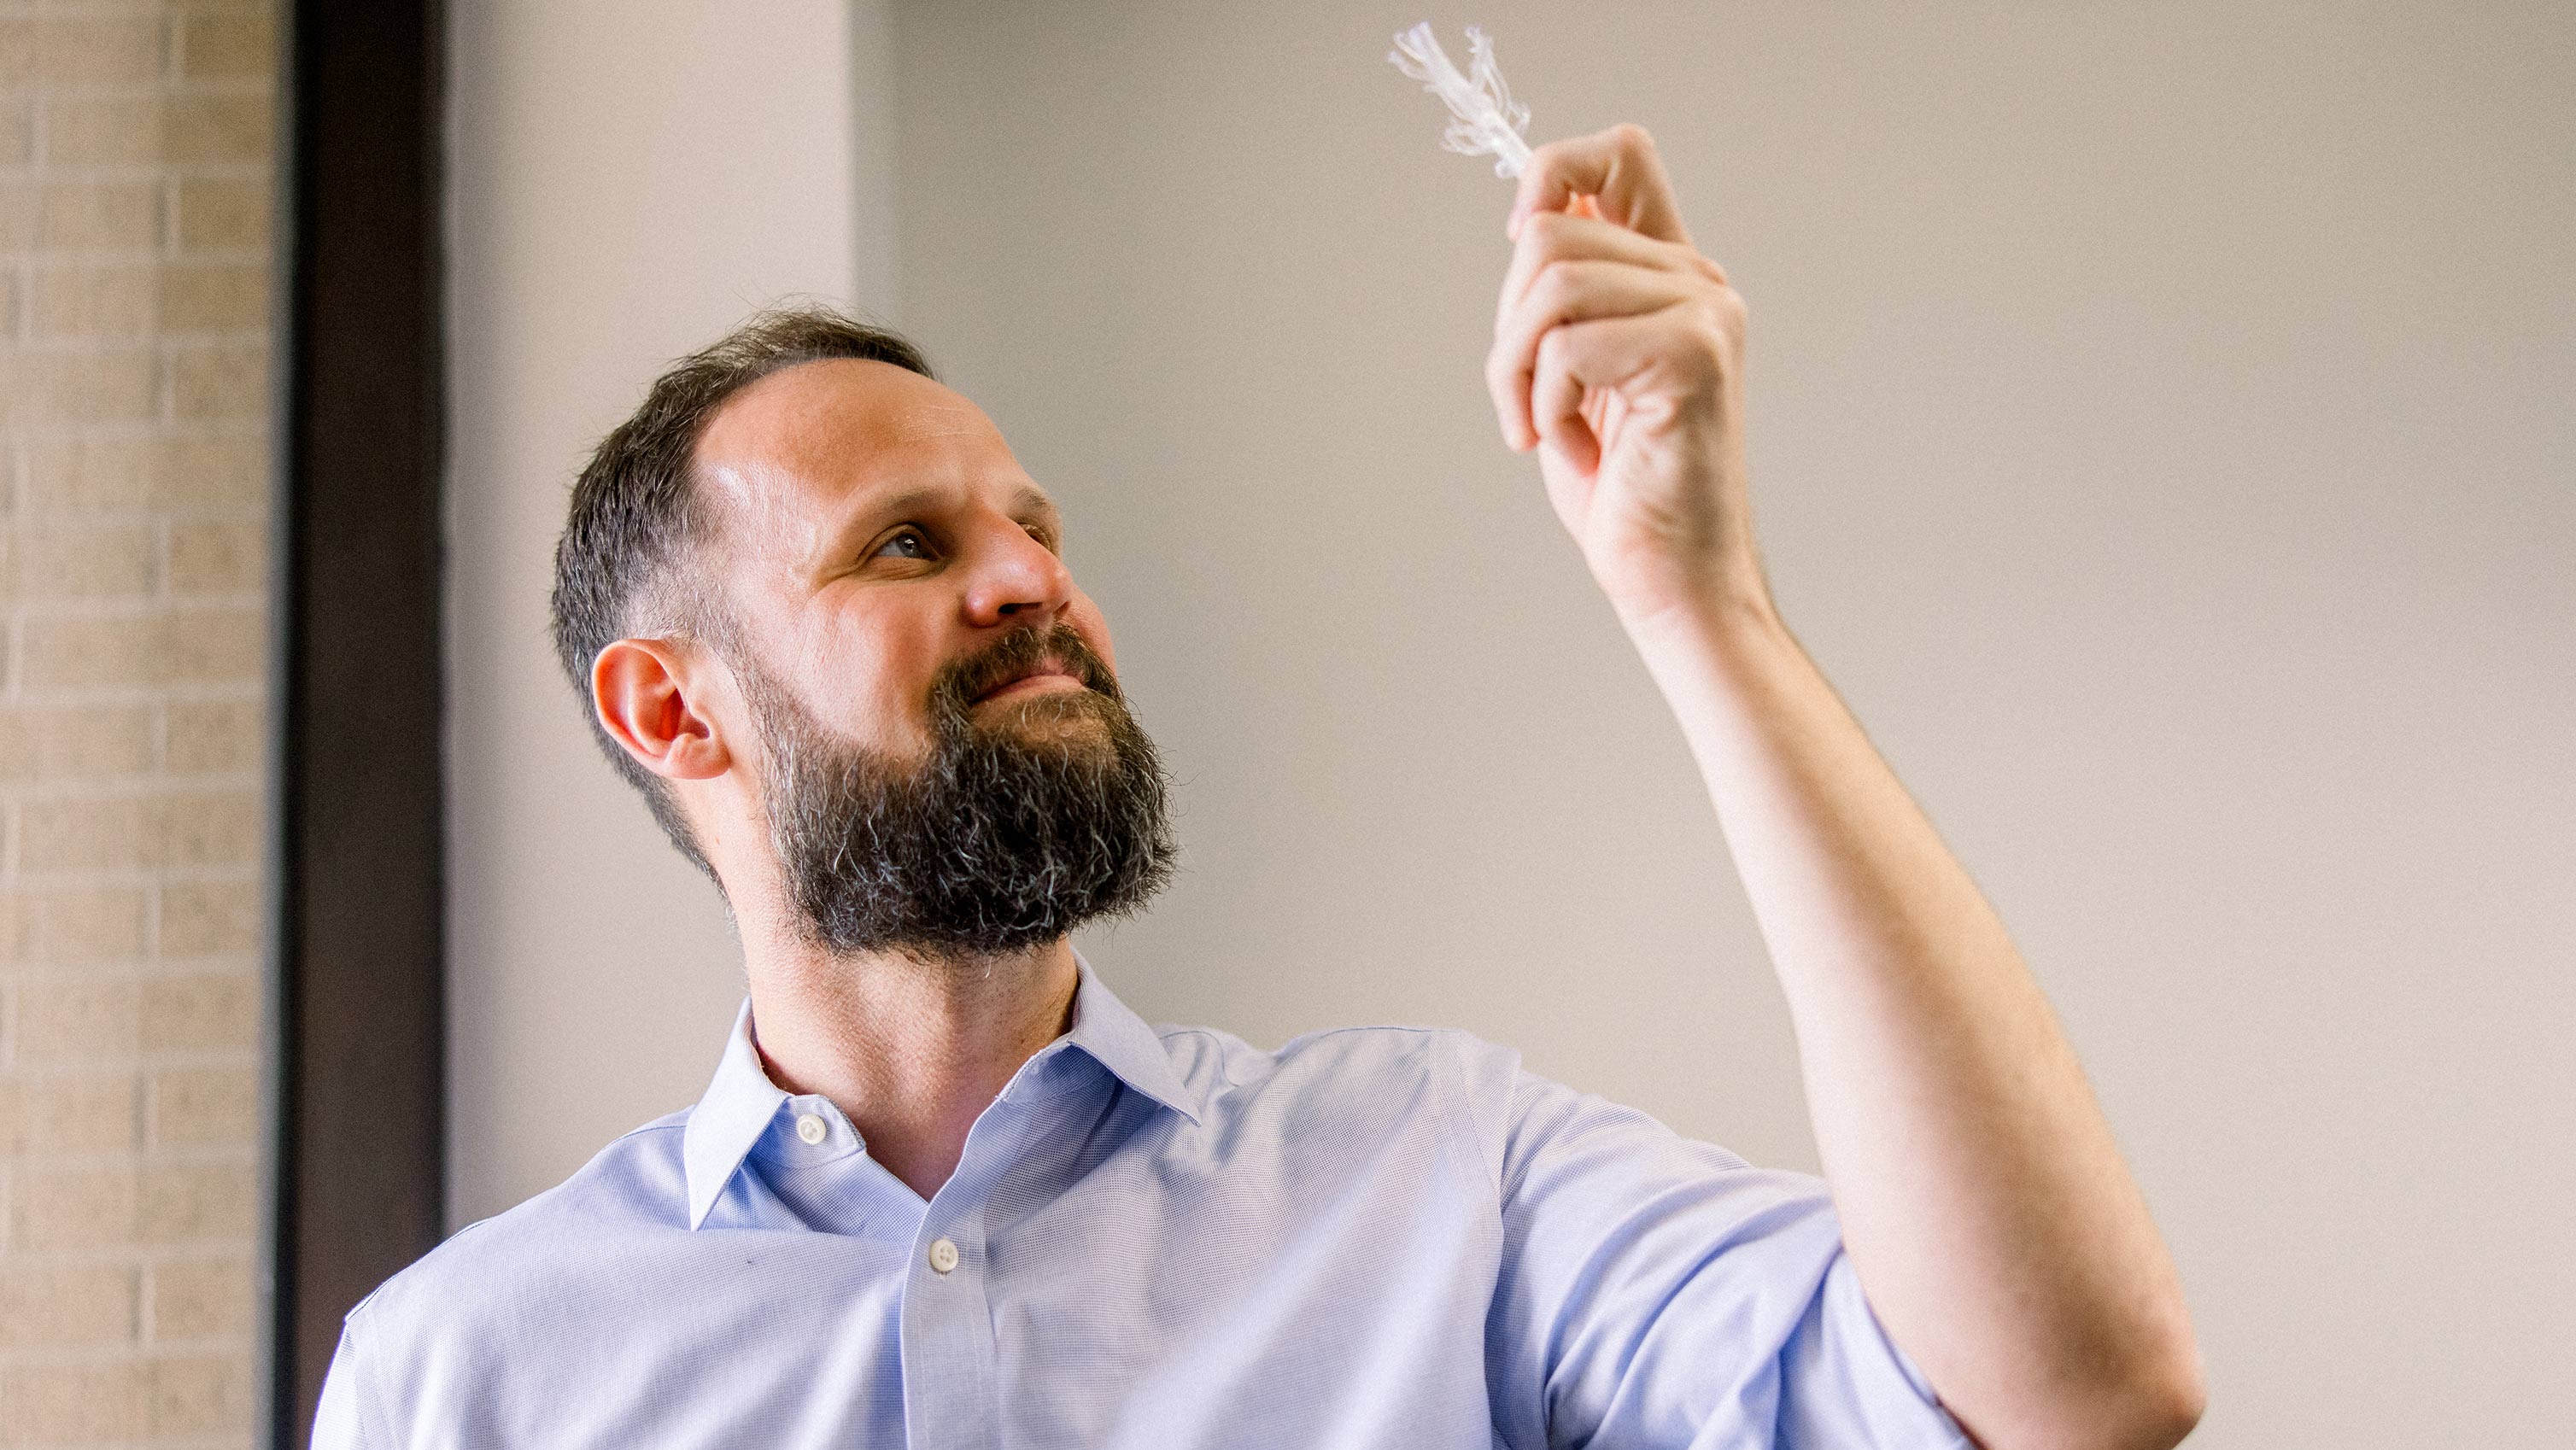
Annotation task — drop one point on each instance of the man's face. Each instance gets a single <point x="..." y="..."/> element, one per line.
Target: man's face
<point x="945" y="759"/>
<point x="876" y="529"/>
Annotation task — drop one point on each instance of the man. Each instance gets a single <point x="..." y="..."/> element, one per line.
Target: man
<point x="945" y="1190"/>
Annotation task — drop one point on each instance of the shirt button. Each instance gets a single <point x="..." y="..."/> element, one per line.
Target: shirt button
<point x="943" y="1255"/>
<point x="809" y="1126"/>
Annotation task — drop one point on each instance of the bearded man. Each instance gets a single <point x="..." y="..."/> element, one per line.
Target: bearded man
<point x="945" y="1190"/>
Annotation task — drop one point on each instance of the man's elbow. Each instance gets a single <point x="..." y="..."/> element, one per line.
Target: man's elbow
<point x="2149" y="1401"/>
<point x="2170" y="1400"/>
<point x="2153" y="1405"/>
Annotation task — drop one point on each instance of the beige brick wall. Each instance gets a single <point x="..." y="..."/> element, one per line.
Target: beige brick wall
<point x="135" y="153"/>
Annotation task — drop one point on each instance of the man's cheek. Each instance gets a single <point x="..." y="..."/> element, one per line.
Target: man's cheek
<point x="1086" y="620"/>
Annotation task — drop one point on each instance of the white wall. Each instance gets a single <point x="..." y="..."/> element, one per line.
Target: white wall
<point x="2162" y="434"/>
<point x="626" y="179"/>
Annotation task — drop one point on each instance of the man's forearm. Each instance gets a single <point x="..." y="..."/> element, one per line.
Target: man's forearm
<point x="1985" y="1206"/>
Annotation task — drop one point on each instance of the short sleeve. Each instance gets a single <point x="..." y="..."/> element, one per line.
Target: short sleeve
<point x="1659" y="1292"/>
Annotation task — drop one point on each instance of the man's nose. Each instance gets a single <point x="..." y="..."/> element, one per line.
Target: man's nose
<point x="1016" y="580"/>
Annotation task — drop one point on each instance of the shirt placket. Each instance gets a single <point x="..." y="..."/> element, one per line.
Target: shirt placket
<point x="951" y="1377"/>
<point x="949" y="1389"/>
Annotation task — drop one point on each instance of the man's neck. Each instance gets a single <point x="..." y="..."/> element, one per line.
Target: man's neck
<point x="910" y="1052"/>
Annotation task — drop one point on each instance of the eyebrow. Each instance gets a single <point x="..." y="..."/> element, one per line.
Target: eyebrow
<point x="1029" y="500"/>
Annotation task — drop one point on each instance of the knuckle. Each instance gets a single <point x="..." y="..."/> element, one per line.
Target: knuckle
<point x="1632" y="137"/>
<point x="1553" y="286"/>
<point x="1716" y="330"/>
<point x="1695" y="326"/>
<point x="1718" y="312"/>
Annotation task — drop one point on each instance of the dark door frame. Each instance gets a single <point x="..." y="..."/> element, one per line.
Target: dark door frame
<point x="355" y="1095"/>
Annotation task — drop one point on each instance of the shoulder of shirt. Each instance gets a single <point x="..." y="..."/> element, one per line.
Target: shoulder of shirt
<point x="1356" y="1065"/>
<point x="636" y="1183"/>
<point x="1197" y="1050"/>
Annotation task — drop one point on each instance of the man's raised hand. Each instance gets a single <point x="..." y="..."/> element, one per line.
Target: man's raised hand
<point x="1619" y="355"/>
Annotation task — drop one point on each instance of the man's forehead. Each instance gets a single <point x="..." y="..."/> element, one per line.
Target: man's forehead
<point x="816" y="433"/>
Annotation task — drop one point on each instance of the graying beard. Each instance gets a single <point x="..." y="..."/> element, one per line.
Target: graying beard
<point x="993" y="845"/>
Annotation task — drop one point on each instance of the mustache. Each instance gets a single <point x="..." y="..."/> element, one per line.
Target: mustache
<point x="961" y="681"/>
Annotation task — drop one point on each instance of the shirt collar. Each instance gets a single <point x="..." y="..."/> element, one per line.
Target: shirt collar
<point x="1120" y="1041"/>
<point x="741" y="1102"/>
<point x="729" y="1119"/>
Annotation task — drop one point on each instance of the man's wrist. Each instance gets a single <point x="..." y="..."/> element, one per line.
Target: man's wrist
<point x="1728" y="613"/>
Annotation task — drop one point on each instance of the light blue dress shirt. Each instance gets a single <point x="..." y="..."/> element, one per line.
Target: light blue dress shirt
<point x="1158" y="1239"/>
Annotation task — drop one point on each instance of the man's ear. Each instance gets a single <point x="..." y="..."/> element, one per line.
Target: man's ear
<point x="642" y="690"/>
